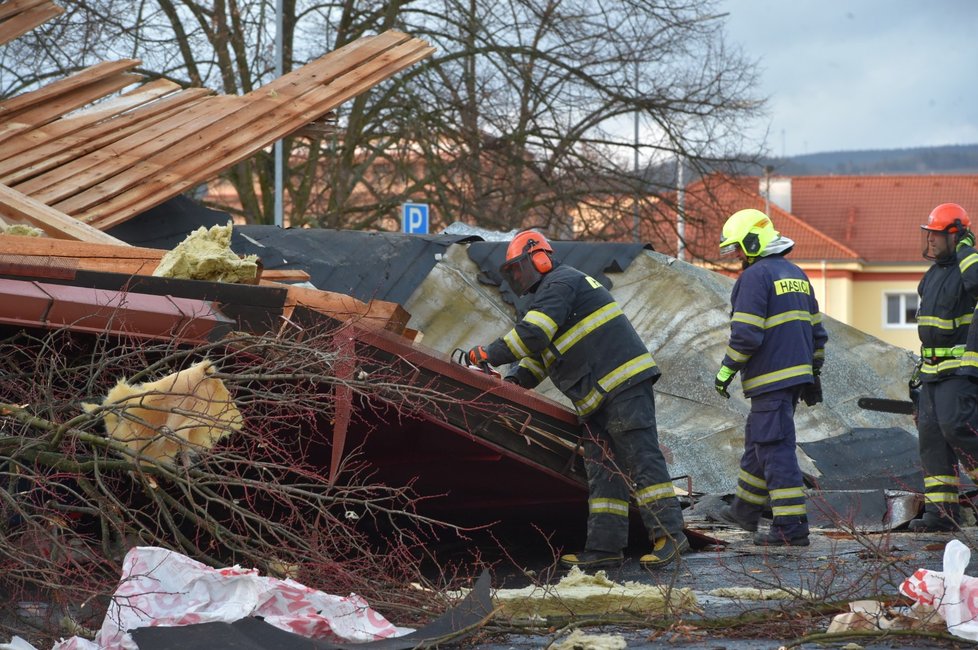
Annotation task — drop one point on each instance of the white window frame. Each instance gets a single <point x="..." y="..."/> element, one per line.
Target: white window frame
<point x="903" y="310"/>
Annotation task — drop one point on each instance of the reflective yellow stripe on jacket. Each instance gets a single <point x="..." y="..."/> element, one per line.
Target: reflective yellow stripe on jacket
<point x="581" y="329"/>
<point x="612" y="380"/>
<point x="945" y="323"/>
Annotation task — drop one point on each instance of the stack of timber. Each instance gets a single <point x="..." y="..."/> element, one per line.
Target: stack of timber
<point x="105" y="165"/>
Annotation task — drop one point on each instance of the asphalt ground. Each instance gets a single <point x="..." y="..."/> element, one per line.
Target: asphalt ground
<point x="837" y="568"/>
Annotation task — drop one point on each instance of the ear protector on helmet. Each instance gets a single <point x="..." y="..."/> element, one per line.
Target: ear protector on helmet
<point x="752" y="243"/>
<point x="749" y="230"/>
<point x="541" y="261"/>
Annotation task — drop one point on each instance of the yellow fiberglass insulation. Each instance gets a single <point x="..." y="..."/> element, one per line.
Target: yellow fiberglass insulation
<point x="207" y="255"/>
<point x="579" y="593"/>
<point x="23" y="230"/>
<point x="186" y="411"/>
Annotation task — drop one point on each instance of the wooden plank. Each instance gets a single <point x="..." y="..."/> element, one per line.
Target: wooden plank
<point x="64" y="248"/>
<point x="62" y="151"/>
<point x="375" y="314"/>
<point x="10" y="8"/>
<point x="84" y="119"/>
<point x="90" y="177"/>
<point x="106" y="212"/>
<point x="26" y="21"/>
<point x="86" y="171"/>
<point x="19" y="207"/>
<point x="235" y="140"/>
<point x="100" y="264"/>
<point x="284" y="275"/>
<point x="9" y="108"/>
<point x="46" y="112"/>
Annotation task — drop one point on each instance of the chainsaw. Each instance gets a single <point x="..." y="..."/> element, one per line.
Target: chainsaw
<point x="460" y="357"/>
<point x="903" y="407"/>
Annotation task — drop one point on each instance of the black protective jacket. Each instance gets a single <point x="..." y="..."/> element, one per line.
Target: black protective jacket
<point x="947" y="295"/>
<point x="575" y="333"/>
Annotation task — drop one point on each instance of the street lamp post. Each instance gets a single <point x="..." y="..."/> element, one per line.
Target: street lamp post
<point x="279" y="71"/>
<point x="635" y="228"/>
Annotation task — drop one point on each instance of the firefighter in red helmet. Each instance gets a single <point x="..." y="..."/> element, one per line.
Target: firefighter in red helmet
<point x="575" y="333"/>
<point x="947" y="407"/>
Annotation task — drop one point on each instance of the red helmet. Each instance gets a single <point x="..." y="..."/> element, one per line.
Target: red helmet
<point x="527" y="260"/>
<point x="948" y="217"/>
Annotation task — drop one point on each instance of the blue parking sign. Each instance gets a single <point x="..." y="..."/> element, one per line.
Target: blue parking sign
<point x="414" y="218"/>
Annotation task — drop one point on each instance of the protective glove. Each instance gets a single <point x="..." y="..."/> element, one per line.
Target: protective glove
<point x="967" y="239"/>
<point x="811" y="394"/>
<point x="724" y="376"/>
<point x="477" y="356"/>
<point x="511" y="379"/>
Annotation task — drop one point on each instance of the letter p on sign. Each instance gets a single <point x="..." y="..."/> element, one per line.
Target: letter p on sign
<point x="414" y="218"/>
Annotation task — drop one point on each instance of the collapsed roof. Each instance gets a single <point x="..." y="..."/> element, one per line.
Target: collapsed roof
<point x="450" y="286"/>
<point x="88" y="175"/>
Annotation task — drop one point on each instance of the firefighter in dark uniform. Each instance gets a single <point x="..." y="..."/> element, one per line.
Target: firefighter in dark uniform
<point x="575" y="333"/>
<point x="777" y="343"/>
<point x="947" y="401"/>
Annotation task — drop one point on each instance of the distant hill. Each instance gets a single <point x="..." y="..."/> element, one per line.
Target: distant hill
<point x="951" y="159"/>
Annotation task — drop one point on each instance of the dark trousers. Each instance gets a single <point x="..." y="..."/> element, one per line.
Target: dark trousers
<point x="769" y="467"/>
<point x="623" y="461"/>
<point x="946" y="423"/>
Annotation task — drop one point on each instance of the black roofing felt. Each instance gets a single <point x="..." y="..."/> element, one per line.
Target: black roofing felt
<point x="889" y="458"/>
<point x="385" y="266"/>
<point x="168" y="224"/>
<point x="589" y="257"/>
<point x="366" y="265"/>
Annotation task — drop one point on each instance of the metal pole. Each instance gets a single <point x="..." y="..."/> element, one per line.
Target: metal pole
<point x="680" y="210"/>
<point x="279" y="71"/>
<point x="635" y="233"/>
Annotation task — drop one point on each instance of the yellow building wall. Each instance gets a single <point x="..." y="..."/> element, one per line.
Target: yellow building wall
<point x="834" y="296"/>
<point x="861" y="303"/>
<point x="869" y="312"/>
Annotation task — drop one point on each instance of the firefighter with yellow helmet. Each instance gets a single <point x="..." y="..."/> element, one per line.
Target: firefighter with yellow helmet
<point x="777" y="344"/>
<point x="947" y="401"/>
<point x="575" y="333"/>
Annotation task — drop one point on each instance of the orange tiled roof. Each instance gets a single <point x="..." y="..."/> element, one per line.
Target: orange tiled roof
<point x="879" y="216"/>
<point x="709" y="202"/>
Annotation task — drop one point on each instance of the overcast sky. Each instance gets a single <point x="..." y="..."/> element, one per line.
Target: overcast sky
<point x="862" y="74"/>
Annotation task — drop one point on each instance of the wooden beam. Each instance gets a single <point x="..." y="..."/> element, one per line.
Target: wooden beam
<point x="41" y="114"/>
<point x="23" y="146"/>
<point x="20" y="207"/>
<point x="62" y="151"/>
<point x="11" y="107"/>
<point x="23" y="22"/>
<point x="265" y="120"/>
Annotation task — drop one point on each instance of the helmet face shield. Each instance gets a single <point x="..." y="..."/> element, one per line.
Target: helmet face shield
<point x="729" y="250"/>
<point x="937" y="245"/>
<point x="520" y="274"/>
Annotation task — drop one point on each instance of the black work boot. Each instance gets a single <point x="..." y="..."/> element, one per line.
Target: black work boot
<point x="934" y="522"/>
<point x="728" y="515"/>
<point x="791" y="534"/>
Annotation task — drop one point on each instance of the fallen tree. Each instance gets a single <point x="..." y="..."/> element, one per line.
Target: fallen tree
<point x="244" y="481"/>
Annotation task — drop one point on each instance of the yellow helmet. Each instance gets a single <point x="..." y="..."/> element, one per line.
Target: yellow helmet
<point x="749" y="229"/>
